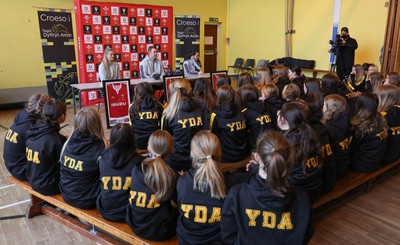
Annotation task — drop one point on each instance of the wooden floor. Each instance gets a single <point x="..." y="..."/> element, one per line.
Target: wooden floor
<point x="370" y="218"/>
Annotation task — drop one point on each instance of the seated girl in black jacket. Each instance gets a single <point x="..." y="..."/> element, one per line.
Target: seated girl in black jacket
<point x="43" y="149"/>
<point x="79" y="182"/>
<point x="150" y="212"/>
<point x="306" y="172"/>
<point x="201" y="192"/>
<point x="370" y="139"/>
<point x="115" y="166"/>
<point x="14" y="152"/>
<point x="267" y="210"/>
<point x="229" y="125"/>
<point x="145" y="114"/>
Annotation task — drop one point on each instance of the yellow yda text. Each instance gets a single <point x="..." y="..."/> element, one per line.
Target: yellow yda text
<point x="73" y="163"/>
<point x="312" y="162"/>
<point x="268" y="219"/>
<point x="32" y="156"/>
<point x="142" y="200"/>
<point x="12" y="136"/>
<point x="326" y="150"/>
<point x="191" y="122"/>
<point x="200" y="213"/>
<point x="235" y="126"/>
<point x="345" y="144"/>
<point x="148" y="115"/>
<point x="382" y="135"/>
<point x="116" y="183"/>
<point x="264" y="119"/>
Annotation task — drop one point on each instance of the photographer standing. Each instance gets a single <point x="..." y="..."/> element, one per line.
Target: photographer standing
<point x="345" y="53"/>
<point x="151" y="67"/>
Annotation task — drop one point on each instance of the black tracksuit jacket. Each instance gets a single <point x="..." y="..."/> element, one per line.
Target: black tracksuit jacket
<point x="14" y="152"/>
<point x="252" y="214"/>
<point x="43" y="149"/>
<point x="186" y="123"/>
<point x="258" y="120"/>
<point x="200" y="214"/>
<point x="115" y="182"/>
<point x="79" y="182"/>
<point x="145" y="119"/>
<point x="148" y="218"/>
<point x="229" y="125"/>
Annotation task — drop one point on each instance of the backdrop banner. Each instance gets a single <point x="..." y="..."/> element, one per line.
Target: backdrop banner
<point x="187" y="37"/>
<point x="57" y="40"/>
<point x="128" y="28"/>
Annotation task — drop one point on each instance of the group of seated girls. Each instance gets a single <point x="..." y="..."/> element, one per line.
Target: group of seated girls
<point x="300" y="145"/>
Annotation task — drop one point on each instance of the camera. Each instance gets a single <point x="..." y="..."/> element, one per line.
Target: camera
<point x="337" y="43"/>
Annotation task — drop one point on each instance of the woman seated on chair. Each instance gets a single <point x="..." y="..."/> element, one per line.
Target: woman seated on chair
<point x="108" y="69"/>
<point x="192" y="65"/>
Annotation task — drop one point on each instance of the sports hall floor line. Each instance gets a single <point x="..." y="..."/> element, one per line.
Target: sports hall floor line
<point x="14" y="204"/>
<point x="6" y="186"/>
<point x="12" y="217"/>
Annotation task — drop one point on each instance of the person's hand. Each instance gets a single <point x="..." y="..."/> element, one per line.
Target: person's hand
<point x="248" y="165"/>
<point x="181" y="172"/>
<point x="358" y="93"/>
<point x="200" y="73"/>
<point x="330" y="50"/>
<point x="343" y="41"/>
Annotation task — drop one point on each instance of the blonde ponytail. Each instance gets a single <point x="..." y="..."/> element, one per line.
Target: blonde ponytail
<point x="178" y="90"/>
<point x="205" y="150"/>
<point x="158" y="175"/>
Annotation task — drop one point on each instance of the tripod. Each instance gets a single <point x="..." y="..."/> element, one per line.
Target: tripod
<point x="339" y="68"/>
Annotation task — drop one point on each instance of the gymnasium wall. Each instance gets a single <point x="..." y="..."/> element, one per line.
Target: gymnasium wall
<point x="21" y="53"/>
<point x="256" y="29"/>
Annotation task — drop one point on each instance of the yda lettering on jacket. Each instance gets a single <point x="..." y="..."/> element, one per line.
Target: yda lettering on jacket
<point x="269" y="219"/>
<point x="141" y="200"/>
<point x="73" y="163"/>
<point x="148" y="115"/>
<point x="264" y="119"/>
<point x="32" y="156"/>
<point x="200" y="213"/>
<point x="12" y="136"/>
<point x="235" y="126"/>
<point x="116" y="183"/>
<point x="345" y="144"/>
<point x="192" y="122"/>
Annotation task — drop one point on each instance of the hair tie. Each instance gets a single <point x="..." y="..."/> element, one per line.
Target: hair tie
<point x="208" y="157"/>
<point x="157" y="155"/>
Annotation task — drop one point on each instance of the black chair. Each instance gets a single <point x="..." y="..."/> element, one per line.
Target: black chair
<point x="261" y="65"/>
<point x="249" y="66"/>
<point x="237" y="66"/>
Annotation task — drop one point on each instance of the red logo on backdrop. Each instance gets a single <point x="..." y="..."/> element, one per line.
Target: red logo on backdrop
<point x="128" y="28"/>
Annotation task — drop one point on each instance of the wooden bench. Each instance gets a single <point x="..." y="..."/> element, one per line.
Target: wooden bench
<point x="351" y="181"/>
<point x="107" y="232"/>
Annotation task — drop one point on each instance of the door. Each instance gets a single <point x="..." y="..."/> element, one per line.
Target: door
<point x="210" y="48"/>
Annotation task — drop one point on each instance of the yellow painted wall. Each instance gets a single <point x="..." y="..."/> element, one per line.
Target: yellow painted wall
<point x="256" y="28"/>
<point x="21" y="63"/>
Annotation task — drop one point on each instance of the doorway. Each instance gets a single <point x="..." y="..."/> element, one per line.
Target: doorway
<point x="210" y="47"/>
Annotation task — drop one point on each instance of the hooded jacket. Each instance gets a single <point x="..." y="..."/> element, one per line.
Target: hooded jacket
<point x="229" y="125"/>
<point x="340" y="137"/>
<point x="43" y="149"/>
<point x="79" y="182"/>
<point x="14" y="152"/>
<point x="186" y="123"/>
<point x="115" y="180"/>
<point x="252" y="214"/>
<point x="200" y="214"/>
<point x="328" y="172"/>
<point x="258" y="120"/>
<point x="274" y="104"/>
<point x="392" y="116"/>
<point x="307" y="178"/>
<point x="145" y="120"/>
<point x="147" y="218"/>
<point x="368" y="151"/>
